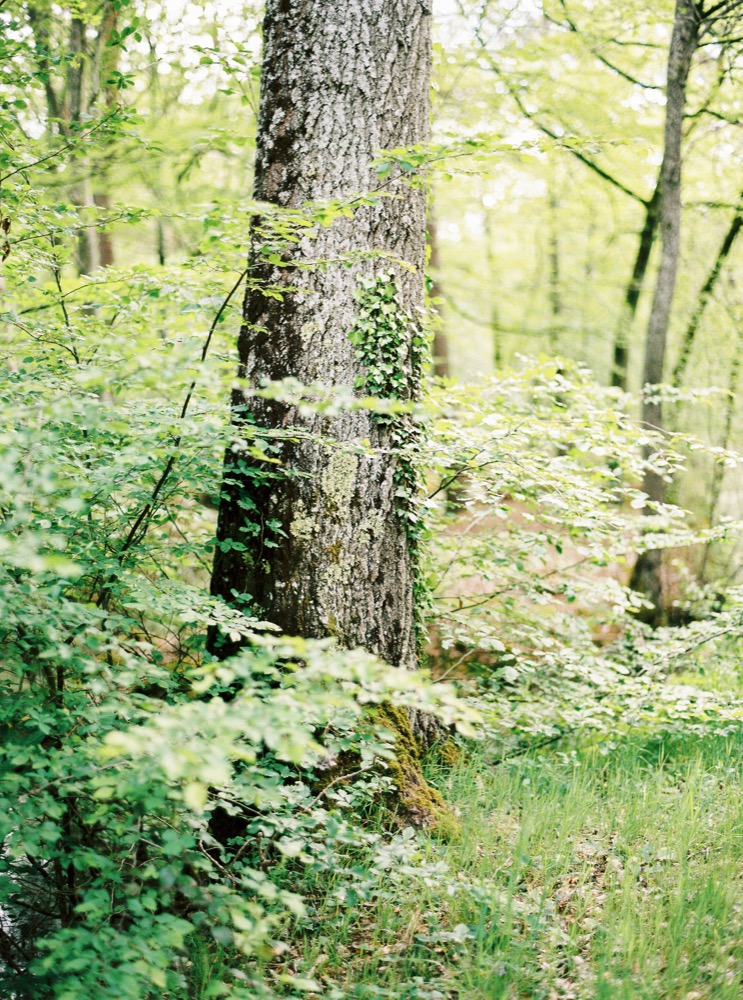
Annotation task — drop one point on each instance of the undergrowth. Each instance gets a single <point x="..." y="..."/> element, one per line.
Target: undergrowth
<point x="577" y="874"/>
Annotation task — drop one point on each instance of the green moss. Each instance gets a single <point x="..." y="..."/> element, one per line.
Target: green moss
<point x="415" y="801"/>
<point x="447" y="753"/>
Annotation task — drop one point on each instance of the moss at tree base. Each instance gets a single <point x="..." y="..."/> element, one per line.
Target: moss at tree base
<point x="414" y="802"/>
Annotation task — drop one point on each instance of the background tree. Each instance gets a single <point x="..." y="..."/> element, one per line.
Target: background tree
<point x="691" y="20"/>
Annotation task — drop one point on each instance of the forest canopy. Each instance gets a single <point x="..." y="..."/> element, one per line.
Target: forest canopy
<point x="370" y="466"/>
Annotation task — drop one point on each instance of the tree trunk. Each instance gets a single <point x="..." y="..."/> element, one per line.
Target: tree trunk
<point x="440" y="352"/>
<point x="648" y="232"/>
<point x="492" y="273"/>
<point x="555" y="298"/>
<point x="647" y="576"/>
<point x="77" y="107"/>
<point x="705" y="295"/>
<point x="90" y="62"/>
<point x="718" y="471"/>
<point x="324" y="547"/>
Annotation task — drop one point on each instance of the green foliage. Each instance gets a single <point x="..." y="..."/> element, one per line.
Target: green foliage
<point x="526" y="566"/>
<point x="575" y="876"/>
<point x="389" y="345"/>
<point x="175" y="827"/>
<point x="392" y="350"/>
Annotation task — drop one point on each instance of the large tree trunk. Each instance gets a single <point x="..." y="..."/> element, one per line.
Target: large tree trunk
<point x="647" y="575"/>
<point x="324" y="547"/>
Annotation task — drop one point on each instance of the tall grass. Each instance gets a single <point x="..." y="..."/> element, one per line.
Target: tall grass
<point x="575" y="875"/>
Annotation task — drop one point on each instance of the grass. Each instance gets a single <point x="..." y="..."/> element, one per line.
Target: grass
<point x="576" y="875"/>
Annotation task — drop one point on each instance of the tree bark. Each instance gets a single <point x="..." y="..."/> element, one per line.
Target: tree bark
<point x="647" y="576"/>
<point x="89" y="65"/>
<point x="324" y="547"/>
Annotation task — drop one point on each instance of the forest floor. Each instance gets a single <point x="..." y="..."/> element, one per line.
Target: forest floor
<point x="576" y="874"/>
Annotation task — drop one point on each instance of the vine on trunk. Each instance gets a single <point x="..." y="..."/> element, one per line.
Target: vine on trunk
<point x="393" y="349"/>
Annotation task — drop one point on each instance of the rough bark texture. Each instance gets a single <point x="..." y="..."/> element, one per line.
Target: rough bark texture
<point x="647" y="576"/>
<point x="324" y="549"/>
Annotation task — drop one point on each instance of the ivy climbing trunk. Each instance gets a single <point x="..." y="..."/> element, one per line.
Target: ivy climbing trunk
<point x="647" y="573"/>
<point x="324" y="544"/>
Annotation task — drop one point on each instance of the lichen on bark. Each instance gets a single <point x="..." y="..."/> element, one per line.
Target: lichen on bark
<point x="339" y="84"/>
<point x="323" y="549"/>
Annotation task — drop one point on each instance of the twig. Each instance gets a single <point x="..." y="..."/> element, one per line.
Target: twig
<point x="134" y="532"/>
<point x="62" y="149"/>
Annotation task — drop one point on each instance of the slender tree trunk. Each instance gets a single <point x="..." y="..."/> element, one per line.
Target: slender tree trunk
<point x="647" y="576"/>
<point x="78" y="103"/>
<point x="555" y="297"/>
<point x="105" y="243"/>
<point x="323" y="548"/>
<point x="495" y="327"/>
<point x="648" y="233"/>
<point x="705" y="295"/>
<point x="160" y="242"/>
<point x="440" y="340"/>
<point x="718" y="471"/>
<point x="89" y="64"/>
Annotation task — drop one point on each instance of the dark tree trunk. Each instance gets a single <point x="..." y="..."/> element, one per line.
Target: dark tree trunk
<point x="647" y="573"/>
<point x="705" y="295"/>
<point x="324" y="547"/>
<point x="648" y="232"/>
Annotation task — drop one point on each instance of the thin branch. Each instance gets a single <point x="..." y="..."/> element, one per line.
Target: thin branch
<point x="719" y="10"/>
<point x="63" y="306"/>
<point x="547" y="741"/>
<point x="62" y="149"/>
<point x="706" y="293"/>
<point x="335" y="781"/>
<point x="77" y="229"/>
<point x="571" y="25"/>
<point x="585" y="160"/>
<point x="134" y="532"/>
